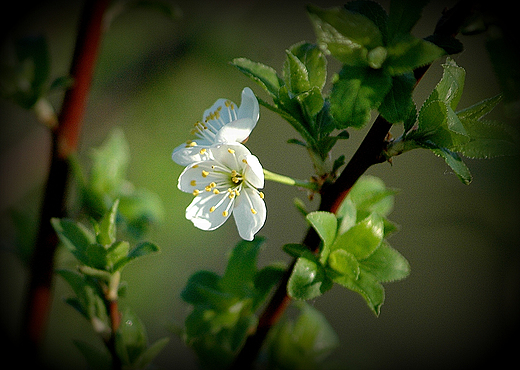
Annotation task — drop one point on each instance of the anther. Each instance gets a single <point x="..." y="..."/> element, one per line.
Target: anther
<point x="253" y="211"/>
<point x="212" y="209"/>
<point x="231" y="151"/>
<point x="225" y="213"/>
<point x="261" y="195"/>
<point x="205" y="173"/>
<point x="202" y="151"/>
<point x="216" y="191"/>
<point x="193" y="183"/>
<point x="196" y="192"/>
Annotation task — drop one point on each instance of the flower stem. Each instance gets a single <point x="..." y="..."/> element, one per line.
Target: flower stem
<point x="282" y="179"/>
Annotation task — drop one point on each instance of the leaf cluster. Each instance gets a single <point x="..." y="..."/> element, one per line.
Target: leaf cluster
<point x="107" y="181"/>
<point x="451" y="134"/>
<point x="354" y="251"/>
<point x="224" y="306"/>
<point x="96" y="284"/>
<point x="25" y="72"/>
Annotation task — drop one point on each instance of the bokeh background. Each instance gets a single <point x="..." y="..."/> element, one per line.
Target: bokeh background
<point x="155" y="77"/>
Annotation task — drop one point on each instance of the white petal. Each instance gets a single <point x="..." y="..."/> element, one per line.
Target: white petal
<point x="220" y="103"/>
<point x="249" y="223"/>
<point x="235" y="131"/>
<point x="199" y="213"/>
<point x="192" y="178"/>
<point x="249" y="106"/>
<point x="254" y="173"/>
<point x="222" y="155"/>
<point x="186" y="155"/>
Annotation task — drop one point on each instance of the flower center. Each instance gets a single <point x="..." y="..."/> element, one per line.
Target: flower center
<point x="226" y="184"/>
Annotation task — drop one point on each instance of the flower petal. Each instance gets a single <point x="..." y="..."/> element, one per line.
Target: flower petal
<point x="232" y="159"/>
<point x="185" y="155"/>
<point x="192" y="177"/>
<point x="219" y="104"/>
<point x="249" y="222"/>
<point x="199" y="211"/>
<point x="236" y="131"/>
<point x="254" y="173"/>
<point x="249" y="106"/>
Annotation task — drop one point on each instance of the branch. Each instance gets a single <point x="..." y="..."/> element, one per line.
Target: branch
<point x="332" y="195"/>
<point x="64" y="142"/>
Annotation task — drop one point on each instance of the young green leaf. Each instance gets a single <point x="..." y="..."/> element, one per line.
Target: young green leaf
<point x="366" y="285"/>
<point x="141" y="249"/>
<point x="198" y="281"/>
<point x="325" y="224"/>
<point x="150" y="353"/>
<point x="480" y="109"/>
<point x="408" y="53"/>
<point x="398" y="103"/>
<point x="373" y="11"/>
<point x="355" y="93"/>
<point x="96" y="358"/>
<point x="314" y="61"/>
<point x="131" y="338"/>
<point x="344" y="263"/>
<point x="386" y="264"/>
<point x="308" y="280"/>
<point x="347" y="35"/>
<point x="76" y="237"/>
<point x="403" y="16"/>
<point x="370" y="195"/>
<point x="295" y="74"/>
<point x="453" y="160"/>
<point x="450" y="87"/>
<point x="238" y="279"/>
<point x="264" y="75"/>
<point x="362" y="239"/>
<point x="107" y="226"/>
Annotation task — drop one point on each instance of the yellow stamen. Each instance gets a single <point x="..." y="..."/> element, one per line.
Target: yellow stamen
<point x="207" y="188"/>
<point x="212" y="185"/>
<point x="215" y="191"/>
<point x="253" y="211"/>
<point x="225" y="213"/>
<point x="212" y="209"/>
<point x="244" y="160"/>
<point x="195" y="166"/>
<point x="237" y="193"/>
<point x="193" y="183"/>
<point x="236" y="180"/>
<point x="205" y="173"/>
<point x="261" y="195"/>
<point x="195" y="192"/>
<point x="231" y="151"/>
<point x="202" y="151"/>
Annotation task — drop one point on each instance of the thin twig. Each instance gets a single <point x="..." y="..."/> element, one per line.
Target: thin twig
<point x="64" y="143"/>
<point x="332" y="195"/>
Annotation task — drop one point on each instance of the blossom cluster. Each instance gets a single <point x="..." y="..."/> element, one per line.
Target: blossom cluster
<point x="221" y="173"/>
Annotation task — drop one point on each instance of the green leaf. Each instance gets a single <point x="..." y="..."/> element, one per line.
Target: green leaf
<point x="308" y="280"/>
<point x="355" y="93"/>
<point x="76" y="237"/>
<point x="480" y="109"/>
<point x="109" y="164"/>
<point x="488" y="140"/>
<point x="450" y="87"/>
<point x="149" y="354"/>
<point x="201" y="279"/>
<point x="107" y="226"/>
<point x="142" y="249"/>
<point x="97" y="256"/>
<point x="264" y="75"/>
<point x="238" y="279"/>
<point x="344" y="263"/>
<point x="409" y="53"/>
<point x="265" y="280"/>
<point x="140" y="209"/>
<point x="455" y="162"/>
<point x="366" y="285"/>
<point x="403" y="16"/>
<point x="398" y="103"/>
<point x="372" y="11"/>
<point x="131" y="338"/>
<point x="386" y="264"/>
<point x="311" y="102"/>
<point x="295" y="74"/>
<point x="362" y="239"/>
<point x="297" y="250"/>
<point x="370" y="195"/>
<point x="117" y="252"/>
<point x="345" y="34"/>
<point x="314" y="61"/>
<point x="347" y="215"/>
<point x="326" y="225"/>
<point x="304" y="343"/>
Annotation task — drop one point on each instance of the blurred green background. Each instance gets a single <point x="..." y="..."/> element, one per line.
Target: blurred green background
<point x="156" y="76"/>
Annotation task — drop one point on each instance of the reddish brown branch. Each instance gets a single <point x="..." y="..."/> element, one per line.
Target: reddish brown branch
<point x="64" y="142"/>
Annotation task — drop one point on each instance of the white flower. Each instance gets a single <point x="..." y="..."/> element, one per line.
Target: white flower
<point x="226" y="183"/>
<point x="223" y="123"/>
